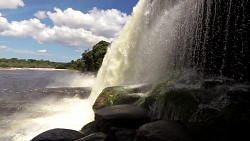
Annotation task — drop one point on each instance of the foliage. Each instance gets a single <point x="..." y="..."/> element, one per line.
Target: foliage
<point x="91" y="60"/>
<point x="28" y="63"/>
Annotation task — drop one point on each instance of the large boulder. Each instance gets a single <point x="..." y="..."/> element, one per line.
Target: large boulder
<point x="99" y="136"/>
<point x="119" y="95"/>
<point x="219" y="101"/>
<point x="124" y="116"/>
<point x="89" y="128"/>
<point x="172" y="103"/>
<point x="122" y="134"/>
<point x="207" y="132"/>
<point x="163" y="131"/>
<point x="58" y="135"/>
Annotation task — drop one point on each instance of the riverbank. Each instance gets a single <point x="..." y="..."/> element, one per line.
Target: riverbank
<point x="41" y="69"/>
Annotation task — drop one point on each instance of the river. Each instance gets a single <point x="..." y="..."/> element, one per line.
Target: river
<point x="32" y="101"/>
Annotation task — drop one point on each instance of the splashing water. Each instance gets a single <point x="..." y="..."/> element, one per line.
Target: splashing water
<point x="169" y="38"/>
<point x="29" y="108"/>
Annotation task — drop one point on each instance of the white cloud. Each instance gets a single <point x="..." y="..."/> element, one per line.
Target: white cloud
<point x="71" y="27"/>
<point x="3" y="23"/>
<point x="68" y="36"/>
<point x="11" y="4"/>
<point x="105" y="23"/>
<point x="40" y="14"/>
<point x="19" y="51"/>
<point x="24" y="28"/>
<point x="42" y="51"/>
<point x="3" y="47"/>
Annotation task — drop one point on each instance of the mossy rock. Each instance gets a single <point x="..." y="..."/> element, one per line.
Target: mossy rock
<point x="179" y="104"/>
<point x="168" y="102"/>
<point x="159" y="88"/>
<point x="116" y="95"/>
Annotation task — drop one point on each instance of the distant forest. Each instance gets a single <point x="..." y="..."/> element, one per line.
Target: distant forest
<point x="27" y="63"/>
<point x="91" y="61"/>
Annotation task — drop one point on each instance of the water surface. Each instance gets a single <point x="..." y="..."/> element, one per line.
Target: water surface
<point x="32" y="101"/>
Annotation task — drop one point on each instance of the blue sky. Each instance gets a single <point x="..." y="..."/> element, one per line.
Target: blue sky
<point x="58" y="30"/>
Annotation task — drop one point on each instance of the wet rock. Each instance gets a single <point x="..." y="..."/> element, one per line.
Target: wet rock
<point x="210" y="83"/>
<point x="126" y="99"/>
<point x="163" y="131"/>
<point x="240" y="94"/>
<point x="99" y="136"/>
<point x="124" y="116"/>
<point x="206" y="115"/>
<point x="109" y="95"/>
<point x="58" y="135"/>
<point x="122" y="134"/>
<point x="178" y="104"/>
<point x="119" y="95"/>
<point x="90" y="128"/>
<point x="207" y="132"/>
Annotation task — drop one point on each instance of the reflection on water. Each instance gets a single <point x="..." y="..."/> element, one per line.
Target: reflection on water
<point x="35" y="101"/>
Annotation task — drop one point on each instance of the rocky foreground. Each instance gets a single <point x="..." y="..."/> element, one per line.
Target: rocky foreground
<point x="199" y="110"/>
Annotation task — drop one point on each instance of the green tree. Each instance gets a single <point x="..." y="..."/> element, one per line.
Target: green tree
<point x="93" y="59"/>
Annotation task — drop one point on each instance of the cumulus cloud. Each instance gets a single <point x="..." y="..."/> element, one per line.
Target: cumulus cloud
<point x="3" y="23"/>
<point x="71" y="27"/>
<point x="25" y="28"/>
<point x="40" y="15"/>
<point x="11" y="4"/>
<point x="105" y="23"/>
<point x="68" y="36"/>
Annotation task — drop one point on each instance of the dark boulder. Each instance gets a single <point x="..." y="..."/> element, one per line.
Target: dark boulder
<point x="207" y="132"/>
<point x="118" y="95"/>
<point x="163" y="131"/>
<point x="125" y="116"/>
<point x="99" y="136"/>
<point x="122" y="134"/>
<point x="174" y="104"/>
<point x="89" y="128"/>
<point x="58" y="135"/>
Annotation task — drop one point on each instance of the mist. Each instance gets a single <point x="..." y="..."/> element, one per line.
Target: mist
<point x="52" y="107"/>
<point x="73" y="80"/>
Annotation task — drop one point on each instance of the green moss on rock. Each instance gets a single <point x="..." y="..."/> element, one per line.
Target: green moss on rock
<point x="181" y="102"/>
<point x="170" y="103"/>
<point x="115" y="96"/>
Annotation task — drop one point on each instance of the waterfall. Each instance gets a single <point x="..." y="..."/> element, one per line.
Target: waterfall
<point x="164" y="38"/>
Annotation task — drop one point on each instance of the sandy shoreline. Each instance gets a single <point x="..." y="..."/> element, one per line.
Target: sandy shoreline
<point x="41" y="69"/>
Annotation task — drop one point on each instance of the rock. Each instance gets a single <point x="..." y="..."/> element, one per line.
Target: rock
<point x="240" y="94"/>
<point x="58" y="135"/>
<point x="89" y="128"/>
<point x="119" y="95"/>
<point x="99" y="136"/>
<point x="163" y="131"/>
<point x="178" y="104"/>
<point x="109" y="95"/>
<point x="122" y="134"/>
<point x="207" y="132"/>
<point x="126" y="99"/>
<point x="218" y="101"/>
<point x="206" y="114"/>
<point x="124" y="116"/>
<point x="210" y="83"/>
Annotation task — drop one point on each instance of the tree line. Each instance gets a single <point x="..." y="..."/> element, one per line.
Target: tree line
<point x="91" y="60"/>
<point x="27" y="63"/>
